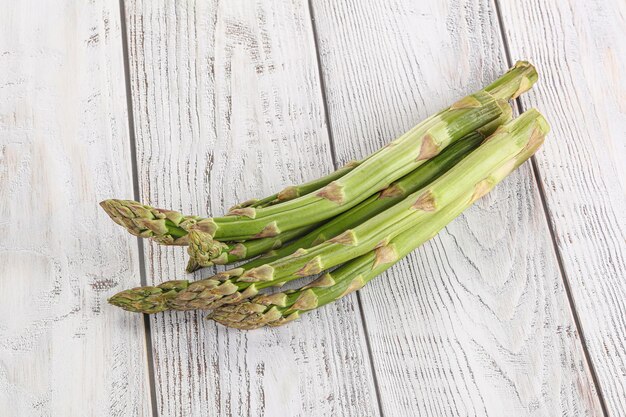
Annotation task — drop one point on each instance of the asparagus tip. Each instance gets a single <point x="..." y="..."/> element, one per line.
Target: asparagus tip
<point x="140" y="300"/>
<point x="203" y="250"/>
<point x="165" y="226"/>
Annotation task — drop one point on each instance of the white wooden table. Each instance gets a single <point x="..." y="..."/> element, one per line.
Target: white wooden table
<point x="516" y="309"/>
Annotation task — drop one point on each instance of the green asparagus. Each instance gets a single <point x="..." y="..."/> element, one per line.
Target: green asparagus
<point x="152" y="299"/>
<point x="238" y="284"/>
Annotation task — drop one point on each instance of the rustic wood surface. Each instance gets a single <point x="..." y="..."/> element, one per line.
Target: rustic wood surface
<point x="64" y="146"/>
<point x="583" y="171"/>
<point x="516" y="308"/>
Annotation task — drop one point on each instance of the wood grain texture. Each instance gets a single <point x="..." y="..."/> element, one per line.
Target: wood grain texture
<point x="578" y="47"/>
<point x="477" y="321"/>
<point x="228" y="106"/>
<point x="64" y="146"/>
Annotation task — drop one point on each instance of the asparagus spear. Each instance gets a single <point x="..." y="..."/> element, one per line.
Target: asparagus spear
<point x="202" y="252"/>
<point x="460" y="182"/>
<point x="280" y="308"/>
<point x="397" y="159"/>
<point x="401" y="157"/>
<point x="170" y="227"/>
<point x="352" y="186"/>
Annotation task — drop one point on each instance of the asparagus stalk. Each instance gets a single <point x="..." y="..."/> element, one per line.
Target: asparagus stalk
<point x="170" y="227"/>
<point x="202" y="252"/>
<point x="460" y="182"/>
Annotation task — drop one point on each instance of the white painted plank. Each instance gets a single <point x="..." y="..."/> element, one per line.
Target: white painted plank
<point x="579" y="48"/>
<point x="64" y="146"/>
<point x="476" y="322"/>
<point x="228" y="106"/>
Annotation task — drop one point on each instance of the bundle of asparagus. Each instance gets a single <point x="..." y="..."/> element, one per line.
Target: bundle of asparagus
<point x="362" y="218"/>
